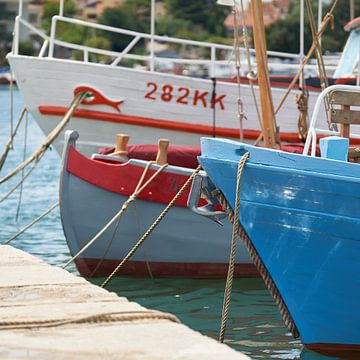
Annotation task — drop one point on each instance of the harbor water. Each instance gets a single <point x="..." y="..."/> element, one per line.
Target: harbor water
<point x="255" y="325"/>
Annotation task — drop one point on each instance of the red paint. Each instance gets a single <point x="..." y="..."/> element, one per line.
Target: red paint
<point x="97" y="98"/>
<point x="162" y="124"/>
<point x="86" y="268"/>
<point x="353" y="24"/>
<point x="123" y="178"/>
<point x="342" y="351"/>
<point x="150" y="94"/>
<point x="200" y="96"/>
<point x="182" y="99"/>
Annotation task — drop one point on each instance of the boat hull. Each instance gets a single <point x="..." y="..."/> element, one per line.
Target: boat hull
<point x="152" y="105"/>
<point x="183" y="245"/>
<point x="301" y="215"/>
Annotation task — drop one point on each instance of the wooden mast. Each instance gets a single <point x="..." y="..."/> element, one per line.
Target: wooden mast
<point x="267" y="107"/>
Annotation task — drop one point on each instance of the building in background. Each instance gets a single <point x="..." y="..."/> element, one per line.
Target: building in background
<point x="274" y="10"/>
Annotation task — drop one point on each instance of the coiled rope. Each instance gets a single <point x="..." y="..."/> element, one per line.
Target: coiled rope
<point x="152" y="227"/>
<point x="139" y="188"/>
<point x="235" y="231"/>
<point x="92" y="319"/>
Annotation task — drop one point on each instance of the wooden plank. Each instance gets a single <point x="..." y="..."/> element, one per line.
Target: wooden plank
<point x="345" y="116"/>
<point x="350" y="98"/>
<point x="34" y="291"/>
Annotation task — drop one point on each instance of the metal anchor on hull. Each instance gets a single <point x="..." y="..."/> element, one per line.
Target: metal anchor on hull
<point x="202" y="186"/>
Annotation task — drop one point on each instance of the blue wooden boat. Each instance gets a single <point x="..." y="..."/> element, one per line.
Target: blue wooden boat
<point x="300" y="219"/>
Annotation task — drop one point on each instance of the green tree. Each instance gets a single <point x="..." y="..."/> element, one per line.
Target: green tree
<point x="204" y="15"/>
<point x="284" y="34"/>
<point x="132" y="15"/>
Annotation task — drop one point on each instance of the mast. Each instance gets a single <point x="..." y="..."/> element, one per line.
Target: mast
<point x="267" y="107"/>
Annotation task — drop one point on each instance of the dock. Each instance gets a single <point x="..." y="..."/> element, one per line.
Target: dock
<point x="48" y="313"/>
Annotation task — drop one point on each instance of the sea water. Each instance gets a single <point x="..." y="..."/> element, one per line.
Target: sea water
<point x="255" y="326"/>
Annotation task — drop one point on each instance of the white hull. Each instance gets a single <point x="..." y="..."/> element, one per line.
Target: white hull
<point x="50" y="83"/>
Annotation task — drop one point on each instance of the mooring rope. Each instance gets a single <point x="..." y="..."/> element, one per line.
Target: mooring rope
<point x="36" y="156"/>
<point x="260" y="266"/>
<point x="139" y="188"/>
<point x="28" y="226"/>
<point x="9" y="144"/>
<point x="235" y="231"/>
<point x="91" y="319"/>
<point x="152" y="227"/>
<point x="22" y="171"/>
<point x="23" y="178"/>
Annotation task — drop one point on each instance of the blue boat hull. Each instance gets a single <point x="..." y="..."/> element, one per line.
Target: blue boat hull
<point x="302" y="216"/>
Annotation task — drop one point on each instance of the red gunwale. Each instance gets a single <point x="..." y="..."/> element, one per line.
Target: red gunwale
<point x="161" y="124"/>
<point x="87" y="267"/>
<point x="123" y="178"/>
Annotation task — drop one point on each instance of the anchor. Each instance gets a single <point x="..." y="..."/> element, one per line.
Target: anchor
<point x="203" y="187"/>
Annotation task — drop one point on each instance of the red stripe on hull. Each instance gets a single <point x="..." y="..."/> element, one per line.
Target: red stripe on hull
<point x="123" y="178"/>
<point x="162" y="124"/>
<point x="90" y="268"/>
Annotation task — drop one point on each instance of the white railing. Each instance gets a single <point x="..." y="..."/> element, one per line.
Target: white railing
<point x="49" y="43"/>
<point x="313" y="130"/>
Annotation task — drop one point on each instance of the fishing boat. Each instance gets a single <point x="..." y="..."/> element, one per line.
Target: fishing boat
<point x="93" y="190"/>
<point x="146" y="103"/>
<point x="299" y="218"/>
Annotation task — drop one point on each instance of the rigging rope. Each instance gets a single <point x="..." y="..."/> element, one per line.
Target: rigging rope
<point x="235" y="231"/>
<point x="152" y="227"/>
<point x="139" y="188"/>
<point x="240" y="105"/>
<point x="302" y="99"/>
<point x="320" y="60"/>
<point x="37" y="155"/>
<point x="251" y="74"/>
<point x="328" y="18"/>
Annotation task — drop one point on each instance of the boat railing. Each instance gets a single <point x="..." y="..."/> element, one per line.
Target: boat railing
<point x="213" y="55"/>
<point x="314" y="131"/>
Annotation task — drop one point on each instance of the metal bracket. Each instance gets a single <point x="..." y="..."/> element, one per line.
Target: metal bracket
<point x="202" y="186"/>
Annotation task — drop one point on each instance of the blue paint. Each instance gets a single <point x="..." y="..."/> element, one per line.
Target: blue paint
<point x="334" y="147"/>
<point x="302" y="215"/>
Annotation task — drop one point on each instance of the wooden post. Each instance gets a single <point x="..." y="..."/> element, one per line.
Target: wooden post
<point x="161" y="157"/>
<point x="121" y="143"/>
<point x="345" y="128"/>
<point x="267" y="107"/>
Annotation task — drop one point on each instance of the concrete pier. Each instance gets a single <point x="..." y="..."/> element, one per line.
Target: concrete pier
<point x="48" y="313"/>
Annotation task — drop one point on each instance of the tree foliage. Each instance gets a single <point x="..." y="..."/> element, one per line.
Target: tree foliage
<point x="284" y="34"/>
<point x="132" y="15"/>
<point x="204" y="16"/>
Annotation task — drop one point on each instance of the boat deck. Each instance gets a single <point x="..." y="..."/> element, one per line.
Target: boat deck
<point x="48" y="313"/>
